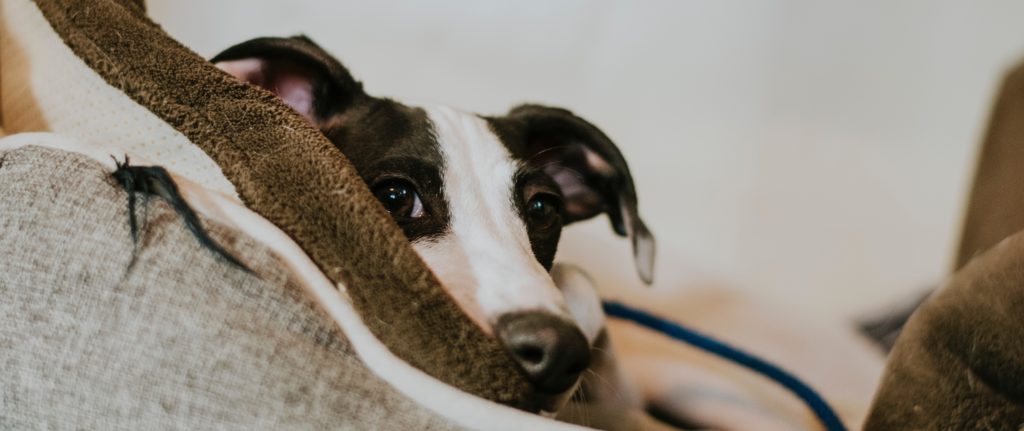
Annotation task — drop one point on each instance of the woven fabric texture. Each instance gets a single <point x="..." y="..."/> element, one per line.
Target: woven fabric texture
<point x="97" y="333"/>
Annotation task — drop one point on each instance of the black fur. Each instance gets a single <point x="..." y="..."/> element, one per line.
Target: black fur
<point x="154" y="180"/>
<point x="334" y="89"/>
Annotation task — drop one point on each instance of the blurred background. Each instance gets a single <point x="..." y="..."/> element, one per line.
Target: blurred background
<point x="818" y="153"/>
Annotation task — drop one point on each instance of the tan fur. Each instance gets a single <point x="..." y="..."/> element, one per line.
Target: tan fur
<point x="824" y="352"/>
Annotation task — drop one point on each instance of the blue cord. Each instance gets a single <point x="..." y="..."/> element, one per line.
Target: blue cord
<point x="809" y="396"/>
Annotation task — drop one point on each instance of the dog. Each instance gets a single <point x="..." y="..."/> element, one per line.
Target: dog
<point x="482" y="199"/>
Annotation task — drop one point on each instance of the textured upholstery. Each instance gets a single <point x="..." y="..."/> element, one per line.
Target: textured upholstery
<point x="98" y="334"/>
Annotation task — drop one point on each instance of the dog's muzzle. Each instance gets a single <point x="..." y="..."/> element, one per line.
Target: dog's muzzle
<point x="550" y="350"/>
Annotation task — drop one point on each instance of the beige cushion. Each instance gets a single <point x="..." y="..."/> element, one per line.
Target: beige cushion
<point x="95" y="334"/>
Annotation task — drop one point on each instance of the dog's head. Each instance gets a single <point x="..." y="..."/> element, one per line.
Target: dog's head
<point x="482" y="199"/>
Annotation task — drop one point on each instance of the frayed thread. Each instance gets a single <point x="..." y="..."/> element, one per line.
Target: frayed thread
<point x="155" y="180"/>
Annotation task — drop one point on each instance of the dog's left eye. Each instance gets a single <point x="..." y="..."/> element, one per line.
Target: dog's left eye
<point x="543" y="211"/>
<point x="400" y="199"/>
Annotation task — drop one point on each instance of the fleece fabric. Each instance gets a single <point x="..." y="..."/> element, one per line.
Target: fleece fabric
<point x="996" y="207"/>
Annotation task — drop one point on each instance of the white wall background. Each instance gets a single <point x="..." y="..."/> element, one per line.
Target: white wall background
<point x="820" y="152"/>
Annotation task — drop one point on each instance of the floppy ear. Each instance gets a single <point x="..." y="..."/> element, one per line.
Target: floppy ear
<point x="298" y="71"/>
<point x="590" y="171"/>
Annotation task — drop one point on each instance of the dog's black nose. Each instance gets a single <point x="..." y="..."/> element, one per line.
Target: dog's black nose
<point x="551" y="350"/>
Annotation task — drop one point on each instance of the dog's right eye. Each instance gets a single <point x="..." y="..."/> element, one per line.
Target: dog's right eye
<point x="400" y="199"/>
<point x="543" y="211"/>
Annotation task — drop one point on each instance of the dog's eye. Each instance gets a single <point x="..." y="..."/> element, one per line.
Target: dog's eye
<point x="400" y="199"/>
<point x="543" y="211"/>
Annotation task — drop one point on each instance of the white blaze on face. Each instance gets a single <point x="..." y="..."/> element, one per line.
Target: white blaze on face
<point x="485" y="259"/>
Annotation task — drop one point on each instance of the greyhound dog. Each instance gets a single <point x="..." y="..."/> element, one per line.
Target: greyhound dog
<point x="482" y="199"/>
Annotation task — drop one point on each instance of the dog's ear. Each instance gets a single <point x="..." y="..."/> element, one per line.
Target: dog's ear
<point x="298" y="71"/>
<point x="589" y="169"/>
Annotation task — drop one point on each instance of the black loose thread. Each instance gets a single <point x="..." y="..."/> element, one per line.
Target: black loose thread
<point x="155" y="180"/>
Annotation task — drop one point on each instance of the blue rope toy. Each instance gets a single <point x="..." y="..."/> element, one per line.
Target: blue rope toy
<point x="817" y="404"/>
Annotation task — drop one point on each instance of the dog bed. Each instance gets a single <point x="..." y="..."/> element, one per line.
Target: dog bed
<point x="332" y="322"/>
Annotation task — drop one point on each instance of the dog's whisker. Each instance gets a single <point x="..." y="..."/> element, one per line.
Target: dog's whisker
<point x="586" y="410"/>
<point x="547" y="150"/>
<point x="580" y="404"/>
<point x="604" y="381"/>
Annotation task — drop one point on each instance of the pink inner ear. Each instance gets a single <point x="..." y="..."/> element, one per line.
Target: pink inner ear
<point x="598" y="163"/>
<point x="568" y="166"/>
<point x="579" y="198"/>
<point x="293" y="86"/>
<point x="296" y="91"/>
<point x="248" y="70"/>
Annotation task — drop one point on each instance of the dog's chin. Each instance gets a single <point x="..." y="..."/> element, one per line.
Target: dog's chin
<point x="548" y="405"/>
